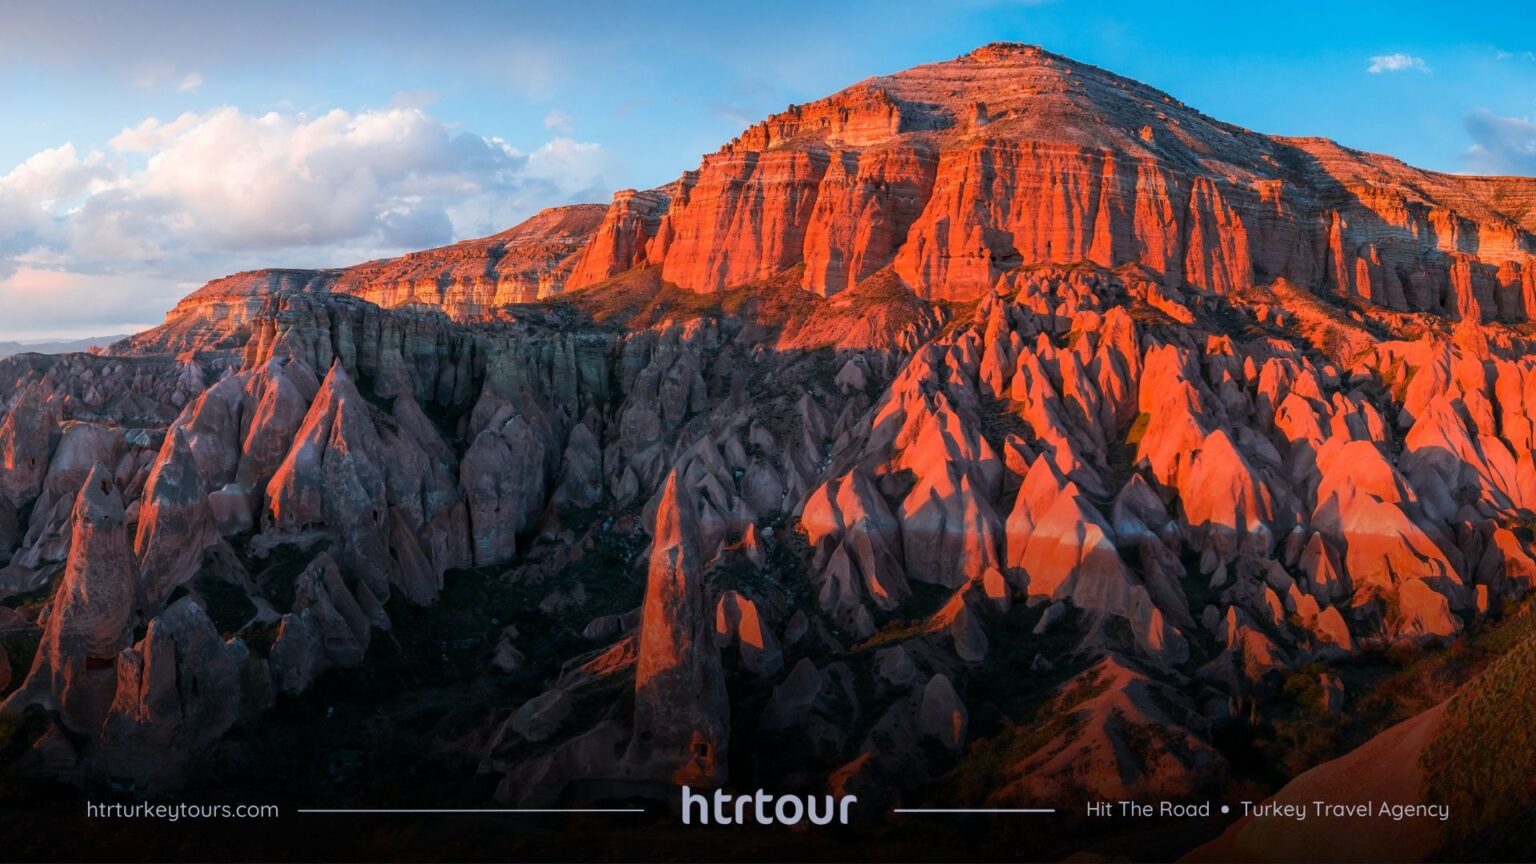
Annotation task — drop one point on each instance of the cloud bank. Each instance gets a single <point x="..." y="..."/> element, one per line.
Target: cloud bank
<point x="1504" y="145"/>
<point x="207" y="193"/>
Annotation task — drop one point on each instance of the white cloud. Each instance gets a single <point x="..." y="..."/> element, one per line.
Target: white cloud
<point x="1396" y="63"/>
<point x="37" y="196"/>
<point x="562" y="160"/>
<point x="1502" y="145"/>
<point x="559" y="121"/>
<point x="208" y="193"/>
<point x="190" y="83"/>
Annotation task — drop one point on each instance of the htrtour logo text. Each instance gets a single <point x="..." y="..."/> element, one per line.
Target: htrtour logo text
<point x="764" y="808"/>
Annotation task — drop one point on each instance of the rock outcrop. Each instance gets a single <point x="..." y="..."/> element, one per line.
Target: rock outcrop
<point x="175" y="523"/>
<point x="682" y="715"/>
<point x="179" y="689"/>
<point x="333" y="476"/>
<point x="91" y="621"/>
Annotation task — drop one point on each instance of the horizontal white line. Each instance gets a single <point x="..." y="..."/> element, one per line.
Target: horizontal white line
<point x="976" y="810"/>
<point x="501" y="810"/>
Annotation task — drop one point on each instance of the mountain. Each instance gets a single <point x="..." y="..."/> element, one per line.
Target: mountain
<point x="957" y="175"/>
<point x="997" y="433"/>
<point x="65" y="346"/>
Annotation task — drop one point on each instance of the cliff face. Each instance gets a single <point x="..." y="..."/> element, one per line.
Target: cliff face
<point x="466" y="280"/>
<point x="959" y="175"/>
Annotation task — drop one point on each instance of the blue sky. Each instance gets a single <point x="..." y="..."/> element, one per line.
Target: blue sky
<point x="151" y="147"/>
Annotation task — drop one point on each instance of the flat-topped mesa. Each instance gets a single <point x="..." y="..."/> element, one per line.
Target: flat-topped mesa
<point x="525" y="263"/>
<point x="236" y="299"/>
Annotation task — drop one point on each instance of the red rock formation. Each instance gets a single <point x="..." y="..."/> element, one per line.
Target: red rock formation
<point x="25" y="446"/>
<point x="863" y="565"/>
<point x="330" y="626"/>
<point x="620" y="241"/>
<point x="1111" y="704"/>
<point x="503" y="479"/>
<point x="91" y="619"/>
<point x="959" y="175"/>
<point x="174" y="521"/>
<point x="179" y="689"/>
<point x="742" y="216"/>
<point x="527" y="262"/>
<point x="333" y="477"/>
<point x="277" y="398"/>
<point x="682" y="716"/>
<point x="738" y="619"/>
<point x="1142" y="404"/>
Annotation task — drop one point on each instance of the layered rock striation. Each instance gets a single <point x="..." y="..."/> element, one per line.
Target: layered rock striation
<point x="1000" y="380"/>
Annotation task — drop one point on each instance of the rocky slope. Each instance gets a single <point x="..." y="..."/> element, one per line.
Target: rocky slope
<point x="1470" y="755"/>
<point x="1000" y="428"/>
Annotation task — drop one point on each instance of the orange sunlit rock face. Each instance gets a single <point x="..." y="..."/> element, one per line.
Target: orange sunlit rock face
<point x="682" y="716"/>
<point x="91" y="621"/>
<point x="957" y="175"/>
<point x="993" y="433"/>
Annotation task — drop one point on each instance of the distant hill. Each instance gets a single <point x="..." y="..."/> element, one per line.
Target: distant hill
<point x="64" y="346"/>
